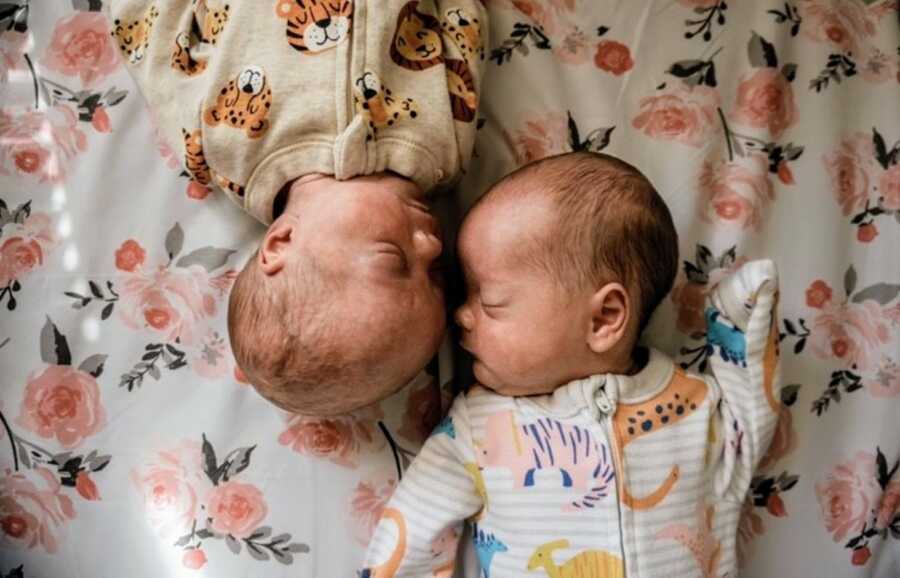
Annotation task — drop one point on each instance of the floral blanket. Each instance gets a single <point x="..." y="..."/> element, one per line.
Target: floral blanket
<point x="130" y="445"/>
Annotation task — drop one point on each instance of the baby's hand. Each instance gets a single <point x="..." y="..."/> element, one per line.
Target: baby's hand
<point x="734" y="296"/>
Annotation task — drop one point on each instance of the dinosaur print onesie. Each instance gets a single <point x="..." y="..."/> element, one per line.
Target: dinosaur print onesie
<point x="608" y="476"/>
<point x="255" y="94"/>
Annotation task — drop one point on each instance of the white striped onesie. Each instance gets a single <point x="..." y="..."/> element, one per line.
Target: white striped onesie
<point x="609" y="476"/>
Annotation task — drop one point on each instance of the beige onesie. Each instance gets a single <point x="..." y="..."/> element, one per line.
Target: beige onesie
<point x="261" y="92"/>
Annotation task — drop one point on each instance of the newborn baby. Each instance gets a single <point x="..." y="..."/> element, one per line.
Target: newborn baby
<point x="342" y="304"/>
<point x="580" y="452"/>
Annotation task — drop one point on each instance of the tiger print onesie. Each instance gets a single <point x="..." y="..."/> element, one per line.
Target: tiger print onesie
<point x="258" y="93"/>
<point x="608" y="476"/>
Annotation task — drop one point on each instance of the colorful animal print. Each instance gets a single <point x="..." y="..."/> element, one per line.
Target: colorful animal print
<point x="314" y="26"/>
<point x="133" y="37"/>
<point x="243" y="104"/>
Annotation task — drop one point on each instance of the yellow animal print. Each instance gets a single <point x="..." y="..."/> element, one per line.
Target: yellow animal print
<point x="133" y="36"/>
<point x="182" y="59"/>
<point x="465" y="32"/>
<point x="679" y="400"/>
<point x="478" y="480"/>
<point x="194" y="159"/>
<point x="243" y="104"/>
<point x="587" y="564"/>
<point x="416" y="44"/>
<point x="209" y="22"/>
<point x="314" y="26"/>
<point x="377" y="105"/>
<point x="461" y="86"/>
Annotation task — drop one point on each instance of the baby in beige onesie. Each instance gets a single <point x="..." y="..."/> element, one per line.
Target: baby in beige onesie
<point x="329" y="121"/>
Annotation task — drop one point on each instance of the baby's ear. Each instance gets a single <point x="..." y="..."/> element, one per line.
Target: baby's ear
<point x="273" y="253"/>
<point x="610" y="312"/>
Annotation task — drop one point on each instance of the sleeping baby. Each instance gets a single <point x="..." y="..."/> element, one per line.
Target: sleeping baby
<point x="329" y="121"/>
<point x="580" y="453"/>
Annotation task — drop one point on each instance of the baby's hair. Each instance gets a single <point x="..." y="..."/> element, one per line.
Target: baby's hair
<point x="279" y="339"/>
<point x="611" y="225"/>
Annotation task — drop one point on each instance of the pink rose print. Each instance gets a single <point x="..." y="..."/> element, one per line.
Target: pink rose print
<point x="100" y="120"/>
<point x="851" y="168"/>
<point x="236" y="509"/>
<point x="866" y="233"/>
<point x="889" y="188"/>
<point x="170" y="302"/>
<point x="173" y="486"/>
<point x="613" y="57"/>
<point x="765" y="100"/>
<point x="849" y="495"/>
<point x="683" y="114"/>
<point x="82" y="46"/>
<point x="851" y="332"/>
<point x="13" y="46"/>
<point x="194" y="559"/>
<point x="818" y="295"/>
<point x="338" y="439"/>
<point x="64" y="403"/>
<point x="130" y="256"/>
<point x="541" y="136"/>
<point x="86" y="487"/>
<point x="367" y="504"/>
<point x="844" y="24"/>
<point x="40" y="143"/>
<point x="32" y="509"/>
<point x="886" y="380"/>
<point x="736" y="191"/>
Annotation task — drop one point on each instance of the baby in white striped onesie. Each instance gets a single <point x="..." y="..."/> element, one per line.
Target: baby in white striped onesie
<point x="579" y="453"/>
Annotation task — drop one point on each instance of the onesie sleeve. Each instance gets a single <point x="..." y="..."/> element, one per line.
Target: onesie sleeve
<point x="742" y="338"/>
<point x="420" y="527"/>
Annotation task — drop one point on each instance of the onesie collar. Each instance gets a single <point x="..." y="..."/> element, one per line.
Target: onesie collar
<point x="600" y="393"/>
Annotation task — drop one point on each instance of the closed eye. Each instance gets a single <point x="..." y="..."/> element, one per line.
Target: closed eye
<point x="393" y="256"/>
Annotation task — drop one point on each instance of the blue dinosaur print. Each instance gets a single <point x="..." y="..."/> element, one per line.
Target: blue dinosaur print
<point x="486" y="545"/>
<point x="730" y="340"/>
<point x="446" y="426"/>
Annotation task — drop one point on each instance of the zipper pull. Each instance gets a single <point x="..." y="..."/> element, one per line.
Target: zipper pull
<point x="602" y="402"/>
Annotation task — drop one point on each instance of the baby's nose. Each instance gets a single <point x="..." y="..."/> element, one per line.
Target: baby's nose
<point x="463" y="317"/>
<point x="428" y="246"/>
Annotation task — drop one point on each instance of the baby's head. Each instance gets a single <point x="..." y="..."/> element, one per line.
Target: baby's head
<point x="341" y="304"/>
<point x="565" y="260"/>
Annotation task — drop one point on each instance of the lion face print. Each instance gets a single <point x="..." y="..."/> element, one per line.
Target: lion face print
<point x="461" y="86"/>
<point x="133" y="37"/>
<point x="314" y="26"/>
<point x="243" y="104"/>
<point x="465" y="31"/>
<point x="376" y="103"/>
<point x="416" y="44"/>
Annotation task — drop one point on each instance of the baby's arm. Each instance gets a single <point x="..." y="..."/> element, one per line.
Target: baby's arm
<point x="420" y="527"/>
<point x="743" y="334"/>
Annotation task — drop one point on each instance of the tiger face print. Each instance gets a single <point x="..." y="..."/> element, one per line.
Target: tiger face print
<point x="182" y="59"/>
<point x="209" y="22"/>
<point x="416" y="44"/>
<point x="461" y="86"/>
<point x="376" y="103"/>
<point x="314" y="26"/>
<point x="465" y="32"/>
<point x="133" y="37"/>
<point x="194" y="159"/>
<point x="243" y="104"/>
